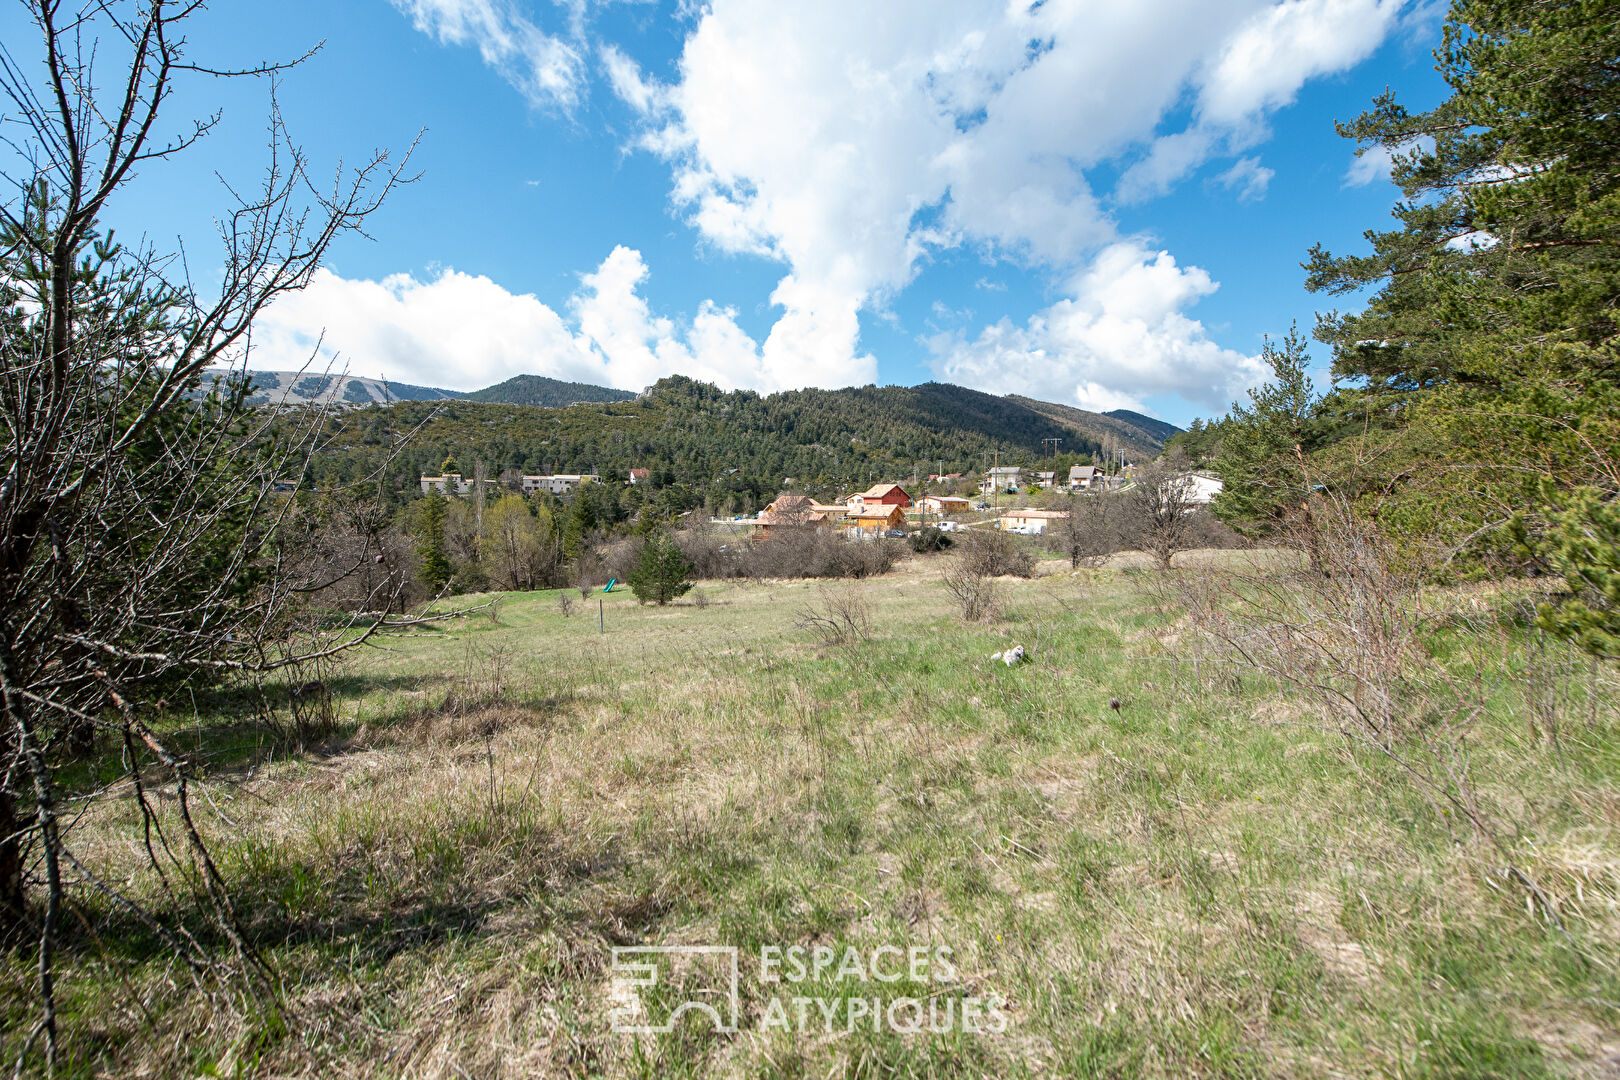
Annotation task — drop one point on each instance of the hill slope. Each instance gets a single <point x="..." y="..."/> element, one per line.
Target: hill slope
<point x="318" y="388"/>
<point x="696" y="435"/>
<point x="540" y="390"/>
<point x="1136" y="434"/>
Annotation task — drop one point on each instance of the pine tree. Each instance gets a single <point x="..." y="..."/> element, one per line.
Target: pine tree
<point x="1264" y="455"/>
<point x="660" y="573"/>
<point x="1487" y="365"/>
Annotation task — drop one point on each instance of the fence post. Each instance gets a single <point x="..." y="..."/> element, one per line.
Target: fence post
<point x="601" y="626"/>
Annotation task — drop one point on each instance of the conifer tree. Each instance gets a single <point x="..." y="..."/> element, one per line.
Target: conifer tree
<point x="660" y="573"/>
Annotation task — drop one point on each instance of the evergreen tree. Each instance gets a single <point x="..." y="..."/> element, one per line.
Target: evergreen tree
<point x="434" y="568"/>
<point x="1487" y="364"/>
<point x="660" y="573"/>
<point x="1263" y="459"/>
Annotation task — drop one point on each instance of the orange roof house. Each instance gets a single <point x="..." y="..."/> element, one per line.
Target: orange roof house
<point x="876" y="517"/>
<point x="788" y="511"/>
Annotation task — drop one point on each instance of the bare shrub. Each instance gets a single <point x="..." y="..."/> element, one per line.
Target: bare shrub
<point x="714" y="555"/>
<point x="1345" y="635"/>
<point x="1346" y="638"/>
<point x="620" y="558"/>
<point x="565" y="604"/>
<point x="589" y="570"/>
<point x="815" y="553"/>
<point x="1093" y="529"/>
<point x="840" y="617"/>
<point x="995" y="554"/>
<point x="978" y="596"/>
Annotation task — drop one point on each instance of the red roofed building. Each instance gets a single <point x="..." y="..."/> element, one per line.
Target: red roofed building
<point x="881" y="495"/>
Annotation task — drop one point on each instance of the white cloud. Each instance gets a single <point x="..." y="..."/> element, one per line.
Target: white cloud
<point x="853" y="139"/>
<point x="1121" y="337"/>
<point x="624" y="75"/>
<point x="1254" y="71"/>
<point x="545" y="69"/>
<point x="1371" y="164"/>
<point x="1263" y="65"/>
<point x="463" y="331"/>
<point x="1248" y="178"/>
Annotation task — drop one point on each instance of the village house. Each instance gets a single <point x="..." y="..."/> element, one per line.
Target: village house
<point x="1083" y="477"/>
<point x="876" y="518"/>
<point x="1000" y="479"/>
<point x="1204" y="487"/>
<point x="453" y="483"/>
<point x="944" y="504"/>
<point x="834" y="512"/>
<point x="1029" y="522"/>
<point x="640" y="476"/>
<point x="879" y="495"/>
<point x="1045" y="479"/>
<point x="788" y="511"/>
<point x="557" y="483"/>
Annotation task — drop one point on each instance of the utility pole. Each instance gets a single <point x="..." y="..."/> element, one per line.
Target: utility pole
<point x="1053" y="451"/>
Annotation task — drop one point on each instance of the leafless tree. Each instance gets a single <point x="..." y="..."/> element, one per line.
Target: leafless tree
<point x="1092" y="529"/>
<point x="1163" y="507"/>
<point x="142" y="538"/>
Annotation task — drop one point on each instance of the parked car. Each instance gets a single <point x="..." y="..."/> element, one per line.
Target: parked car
<point x="896" y="534"/>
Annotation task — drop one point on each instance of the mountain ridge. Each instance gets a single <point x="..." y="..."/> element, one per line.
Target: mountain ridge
<point x="936" y="405"/>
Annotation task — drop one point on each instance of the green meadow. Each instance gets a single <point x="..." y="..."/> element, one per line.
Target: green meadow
<point x="1157" y="862"/>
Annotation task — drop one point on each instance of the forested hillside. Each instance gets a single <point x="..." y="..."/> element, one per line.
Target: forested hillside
<point x="540" y="390"/>
<point x="696" y="436"/>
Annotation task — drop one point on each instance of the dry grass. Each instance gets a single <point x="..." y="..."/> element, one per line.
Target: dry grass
<point x="1187" y="886"/>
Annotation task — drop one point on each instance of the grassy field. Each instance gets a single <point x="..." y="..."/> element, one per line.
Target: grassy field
<point x="1199" y="882"/>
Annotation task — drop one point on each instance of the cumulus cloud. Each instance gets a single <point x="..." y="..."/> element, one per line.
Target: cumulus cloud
<point x="1263" y="65"/>
<point x="854" y="140"/>
<point x="1120" y="337"/>
<point x="463" y="331"/>
<point x="546" y="70"/>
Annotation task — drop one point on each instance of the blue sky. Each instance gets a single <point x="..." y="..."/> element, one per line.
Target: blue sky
<point x="1095" y="206"/>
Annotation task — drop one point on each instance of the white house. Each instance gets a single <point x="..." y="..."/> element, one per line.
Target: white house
<point x="1083" y="477"/>
<point x="1204" y="487"/>
<point x="1029" y="522"/>
<point x="1002" y="478"/>
<point x="944" y="504"/>
<point x="453" y="483"/>
<point x="557" y="483"/>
